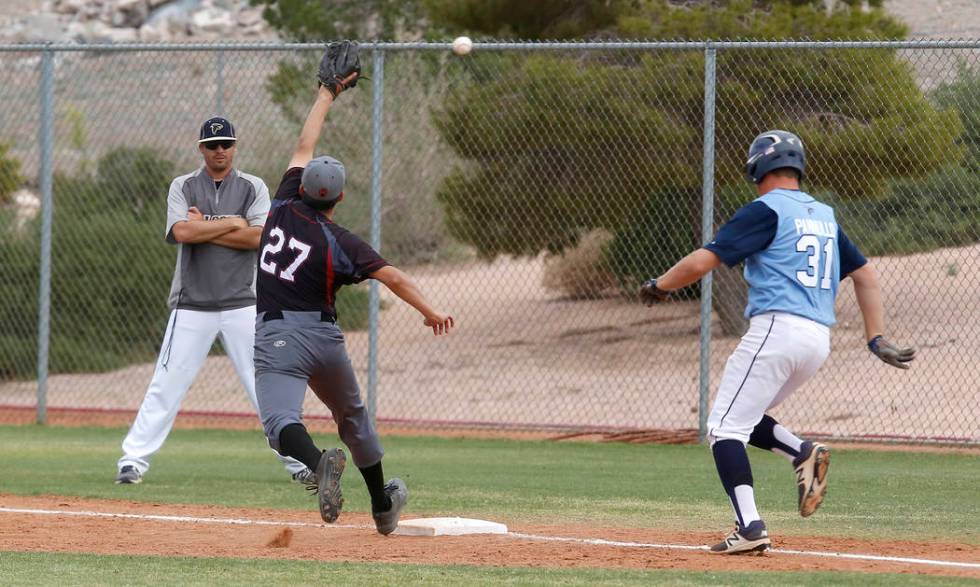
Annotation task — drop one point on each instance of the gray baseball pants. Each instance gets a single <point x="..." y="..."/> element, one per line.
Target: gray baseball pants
<point x="299" y="350"/>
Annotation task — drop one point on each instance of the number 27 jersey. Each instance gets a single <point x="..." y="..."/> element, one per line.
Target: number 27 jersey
<point x="305" y="258"/>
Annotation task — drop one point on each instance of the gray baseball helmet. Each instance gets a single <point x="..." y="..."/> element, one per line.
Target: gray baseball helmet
<point x="323" y="181"/>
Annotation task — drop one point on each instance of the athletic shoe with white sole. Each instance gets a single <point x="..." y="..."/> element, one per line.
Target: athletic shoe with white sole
<point x="811" y="476"/>
<point x="328" y="472"/>
<point x="386" y="522"/>
<point x="752" y="538"/>
<point x="305" y="477"/>
<point x="129" y="475"/>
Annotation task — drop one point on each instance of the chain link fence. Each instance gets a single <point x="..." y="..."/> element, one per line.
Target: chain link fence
<point x="529" y="188"/>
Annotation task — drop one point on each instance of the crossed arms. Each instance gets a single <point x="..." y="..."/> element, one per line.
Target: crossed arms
<point x="234" y="233"/>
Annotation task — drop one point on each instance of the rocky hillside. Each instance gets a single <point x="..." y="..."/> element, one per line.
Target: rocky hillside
<point x="938" y="19"/>
<point x="94" y="21"/>
<point x="127" y="21"/>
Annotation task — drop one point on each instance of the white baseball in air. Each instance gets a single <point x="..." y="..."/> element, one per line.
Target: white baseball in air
<point x="462" y="45"/>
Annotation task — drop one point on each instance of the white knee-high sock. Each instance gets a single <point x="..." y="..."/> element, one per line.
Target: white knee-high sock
<point x="745" y="505"/>
<point x="786" y="437"/>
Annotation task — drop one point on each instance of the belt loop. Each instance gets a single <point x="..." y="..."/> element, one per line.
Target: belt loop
<point x="272" y="315"/>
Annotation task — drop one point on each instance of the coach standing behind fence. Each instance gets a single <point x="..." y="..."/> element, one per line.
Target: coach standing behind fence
<point x="215" y="217"/>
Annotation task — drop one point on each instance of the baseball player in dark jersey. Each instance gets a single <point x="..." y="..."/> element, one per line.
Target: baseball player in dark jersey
<point x="304" y="259"/>
<point x="795" y="256"/>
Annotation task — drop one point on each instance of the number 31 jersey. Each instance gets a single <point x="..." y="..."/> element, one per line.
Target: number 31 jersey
<point x="305" y="258"/>
<point x="795" y="254"/>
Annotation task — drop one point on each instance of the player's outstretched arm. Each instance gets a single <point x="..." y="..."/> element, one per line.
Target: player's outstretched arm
<point x="339" y="69"/>
<point x="867" y="289"/>
<point x="685" y="272"/>
<point x="310" y="134"/>
<point x="404" y="287"/>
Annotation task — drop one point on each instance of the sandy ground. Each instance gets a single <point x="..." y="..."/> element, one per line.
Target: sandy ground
<point x="354" y="539"/>
<point x="938" y="19"/>
<point x="524" y="356"/>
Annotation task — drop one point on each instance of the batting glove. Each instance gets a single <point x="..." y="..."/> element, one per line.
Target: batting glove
<point x="890" y="353"/>
<point x="651" y="294"/>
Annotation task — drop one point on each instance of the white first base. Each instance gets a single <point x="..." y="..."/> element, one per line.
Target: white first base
<point x="448" y="527"/>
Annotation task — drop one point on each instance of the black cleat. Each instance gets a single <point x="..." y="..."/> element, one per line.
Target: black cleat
<point x="387" y="521"/>
<point x="328" y="472"/>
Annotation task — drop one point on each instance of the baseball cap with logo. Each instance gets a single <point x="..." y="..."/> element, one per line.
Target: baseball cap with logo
<point x="217" y="129"/>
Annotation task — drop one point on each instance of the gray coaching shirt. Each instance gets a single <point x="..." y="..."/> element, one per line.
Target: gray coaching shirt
<point x="211" y="277"/>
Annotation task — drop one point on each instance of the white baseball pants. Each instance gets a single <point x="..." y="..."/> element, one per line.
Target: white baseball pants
<point x="778" y="354"/>
<point x="188" y="339"/>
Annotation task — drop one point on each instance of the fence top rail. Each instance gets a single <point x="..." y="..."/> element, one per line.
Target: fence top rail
<point x="499" y="46"/>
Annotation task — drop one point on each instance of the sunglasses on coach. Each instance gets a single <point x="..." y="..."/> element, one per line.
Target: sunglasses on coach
<point x="213" y="145"/>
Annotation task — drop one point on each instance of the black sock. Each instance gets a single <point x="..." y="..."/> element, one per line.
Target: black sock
<point x="764" y="437"/>
<point x="295" y="441"/>
<point x="374" y="477"/>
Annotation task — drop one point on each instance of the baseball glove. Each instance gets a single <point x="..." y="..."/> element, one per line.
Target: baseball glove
<point x="651" y="294"/>
<point x="340" y="67"/>
<point x="890" y="353"/>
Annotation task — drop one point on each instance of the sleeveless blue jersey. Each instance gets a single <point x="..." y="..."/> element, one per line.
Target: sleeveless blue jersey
<point x="799" y="272"/>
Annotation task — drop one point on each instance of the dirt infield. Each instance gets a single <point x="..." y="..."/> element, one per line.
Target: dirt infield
<point x="72" y="527"/>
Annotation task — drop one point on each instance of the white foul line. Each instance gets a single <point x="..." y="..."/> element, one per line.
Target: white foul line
<point x="519" y="535"/>
<point x="604" y="542"/>
<point x="159" y="518"/>
<point x="868" y="557"/>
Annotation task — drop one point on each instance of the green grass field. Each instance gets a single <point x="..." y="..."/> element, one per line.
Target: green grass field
<point x="61" y="569"/>
<point x="872" y="494"/>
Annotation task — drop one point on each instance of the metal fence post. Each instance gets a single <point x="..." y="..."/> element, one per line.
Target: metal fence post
<point x="219" y="93"/>
<point x="707" y="228"/>
<point x="46" y="141"/>
<point x="374" y="301"/>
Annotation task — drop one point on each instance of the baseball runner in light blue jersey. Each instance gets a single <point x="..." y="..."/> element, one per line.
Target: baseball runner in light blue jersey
<point x="795" y="255"/>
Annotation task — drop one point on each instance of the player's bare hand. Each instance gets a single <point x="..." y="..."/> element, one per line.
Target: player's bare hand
<point x="651" y="294"/>
<point x="193" y="214"/>
<point x="440" y="323"/>
<point x="239" y="222"/>
<point x="890" y="353"/>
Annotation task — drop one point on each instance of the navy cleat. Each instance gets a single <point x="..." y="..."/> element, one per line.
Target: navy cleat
<point x="811" y="476"/>
<point x="129" y="475"/>
<point x="752" y="538"/>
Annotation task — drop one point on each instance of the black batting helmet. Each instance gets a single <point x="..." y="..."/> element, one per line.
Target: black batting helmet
<point x="774" y="149"/>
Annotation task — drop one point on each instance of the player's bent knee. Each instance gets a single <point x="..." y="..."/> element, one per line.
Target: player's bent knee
<point x="274" y="424"/>
<point x="719" y="434"/>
